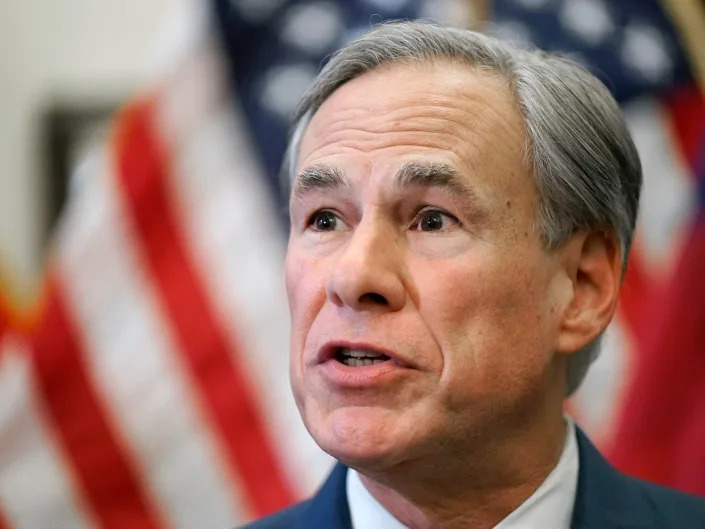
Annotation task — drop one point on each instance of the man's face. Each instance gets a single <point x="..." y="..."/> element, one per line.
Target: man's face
<point x="425" y="312"/>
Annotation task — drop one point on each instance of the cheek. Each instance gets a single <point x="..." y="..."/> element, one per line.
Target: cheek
<point x="300" y="289"/>
<point x="490" y="325"/>
<point x="306" y="292"/>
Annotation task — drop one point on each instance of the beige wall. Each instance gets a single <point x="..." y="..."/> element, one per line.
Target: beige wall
<point x="72" y="50"/>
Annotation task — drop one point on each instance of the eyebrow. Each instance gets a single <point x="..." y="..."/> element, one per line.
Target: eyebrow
<point x="411" y="174"/>
<point x="416" y="174"/>
<point x="319" y="177"/>
<point x="440" y="176"/>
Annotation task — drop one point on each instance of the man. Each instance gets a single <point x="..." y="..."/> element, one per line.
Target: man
<point x="461" y="214"/>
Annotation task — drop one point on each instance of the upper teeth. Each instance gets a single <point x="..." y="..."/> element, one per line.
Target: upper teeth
<point x="361" y="353"/>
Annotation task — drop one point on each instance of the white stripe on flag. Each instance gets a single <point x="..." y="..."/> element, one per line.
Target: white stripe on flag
<point x="132" y="357"/>
<point x="668" y="197"/>
<point x="232" y="228"/>
<point x="36" y="488"/>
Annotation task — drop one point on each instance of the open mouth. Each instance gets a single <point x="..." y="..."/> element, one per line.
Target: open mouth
<point x="359" y="357"/>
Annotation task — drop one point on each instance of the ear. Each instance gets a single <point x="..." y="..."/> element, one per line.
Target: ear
<point x="594" y="265"/>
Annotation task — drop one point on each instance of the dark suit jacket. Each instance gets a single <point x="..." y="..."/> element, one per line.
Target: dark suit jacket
<point x="605" y="499"/>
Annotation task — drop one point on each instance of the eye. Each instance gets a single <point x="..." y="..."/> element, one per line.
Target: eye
<point x="434" y="220"/>
<point x="324" y="220"/>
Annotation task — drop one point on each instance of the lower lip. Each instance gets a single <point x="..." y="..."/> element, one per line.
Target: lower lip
<point x="364" y="376"/>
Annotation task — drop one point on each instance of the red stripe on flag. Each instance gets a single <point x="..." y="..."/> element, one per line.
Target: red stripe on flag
<point x="687" y="115"/>
<point x="4" y="312"/>
<point x="79" y="419"/>
<point x="4" y="524"/>
<point x="224" y="390"/>
<point x="670" y="391"/>
<point x="635" y="293"/>
<point x="3" y="327"/>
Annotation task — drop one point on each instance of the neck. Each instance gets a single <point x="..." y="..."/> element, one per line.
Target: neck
<point x="477" y="491"/>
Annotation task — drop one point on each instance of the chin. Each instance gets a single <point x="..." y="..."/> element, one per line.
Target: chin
<point x="360" y="437"/>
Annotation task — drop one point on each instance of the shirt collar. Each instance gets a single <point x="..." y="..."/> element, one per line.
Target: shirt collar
<point x="365" y="511"/>
<point x="549" y="507"/>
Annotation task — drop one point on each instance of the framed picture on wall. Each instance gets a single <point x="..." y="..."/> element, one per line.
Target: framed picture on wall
<point x="69" y="131"/>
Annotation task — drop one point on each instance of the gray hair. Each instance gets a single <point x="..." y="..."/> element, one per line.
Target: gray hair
<point x="585" y="165"/>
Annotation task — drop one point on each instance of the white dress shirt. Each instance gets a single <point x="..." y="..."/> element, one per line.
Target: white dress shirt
<point x="549" y="507"/>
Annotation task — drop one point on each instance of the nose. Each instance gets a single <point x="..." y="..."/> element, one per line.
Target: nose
<point x="369" y="273"/>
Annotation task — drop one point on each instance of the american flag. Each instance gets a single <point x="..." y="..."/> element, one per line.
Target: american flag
<point x="149" y="387"/>
<point x="644" y="400"/>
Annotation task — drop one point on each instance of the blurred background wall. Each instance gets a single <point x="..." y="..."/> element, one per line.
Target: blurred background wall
<point x="56" y="56"/>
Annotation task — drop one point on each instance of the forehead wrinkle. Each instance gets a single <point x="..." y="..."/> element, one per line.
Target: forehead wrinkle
<point x="365" y="130"/>
<point x="409" y="116"/>
<point x="428" y="131"/>
<point x="444" y="141"/>
<point x="456" y="96"/>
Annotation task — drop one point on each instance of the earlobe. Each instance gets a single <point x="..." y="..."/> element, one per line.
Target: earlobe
<point x="595" y="269"/>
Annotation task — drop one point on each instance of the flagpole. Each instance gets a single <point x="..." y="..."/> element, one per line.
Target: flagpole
<point x="689" y="17"/>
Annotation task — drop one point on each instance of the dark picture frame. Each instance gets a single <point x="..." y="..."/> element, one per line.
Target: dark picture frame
<point x="68" y="131"/>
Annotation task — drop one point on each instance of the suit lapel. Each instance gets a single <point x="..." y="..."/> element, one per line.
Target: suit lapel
<point x="328" y="509"/>
<point x="605" y="498"/>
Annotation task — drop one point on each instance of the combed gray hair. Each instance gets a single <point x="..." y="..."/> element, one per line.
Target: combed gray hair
<point x="585" y="165"/>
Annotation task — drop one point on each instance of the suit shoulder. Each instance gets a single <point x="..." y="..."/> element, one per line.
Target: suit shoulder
<point x="607" y="497"/>
<point x="281" y="520"/>
<point x="328" y="509"/>
<point x="670" y="506"/>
